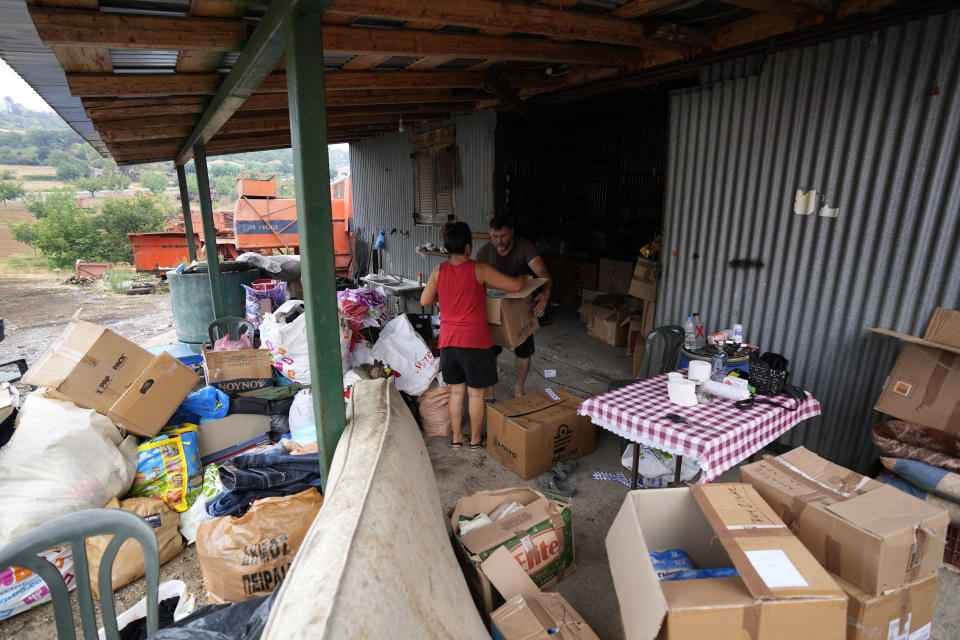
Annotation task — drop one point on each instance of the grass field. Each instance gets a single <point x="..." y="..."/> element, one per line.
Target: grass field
<point x="34" y="178"/>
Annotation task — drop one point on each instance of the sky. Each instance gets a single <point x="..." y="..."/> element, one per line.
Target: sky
<point x="14" y="86"/>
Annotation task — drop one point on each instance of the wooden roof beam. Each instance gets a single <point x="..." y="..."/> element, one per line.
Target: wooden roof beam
<point x="637" y="8"/>
<point x="775" y="7"/>
<point x="506" y="17"/>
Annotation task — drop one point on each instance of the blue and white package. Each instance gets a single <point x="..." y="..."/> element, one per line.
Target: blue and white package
<point x="699" y="574"/>
<point x="666" y="563"/>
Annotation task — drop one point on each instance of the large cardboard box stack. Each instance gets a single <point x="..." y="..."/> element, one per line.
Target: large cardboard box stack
<point x="240" y="372"/>
<point x="614" y="276"/>
<point x="577" y="275"/>
<point x="870" y="534"/>
<point x="539" y="537"/>
<point x="100" y="370"/>
<point x="644" y="282"/>
<point x="530" y="434"/>
<point x="510" y="316"/>
<point x="924" y="385"/>
<point x="782" y="592"/>
<point x="608" y="323"/>
<point x="904" y="613"/>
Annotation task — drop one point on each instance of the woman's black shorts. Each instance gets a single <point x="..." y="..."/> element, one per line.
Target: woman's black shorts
<point x="476" y="367"/>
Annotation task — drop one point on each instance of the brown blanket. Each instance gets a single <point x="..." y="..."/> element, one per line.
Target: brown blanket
<point x="914" y="442"/>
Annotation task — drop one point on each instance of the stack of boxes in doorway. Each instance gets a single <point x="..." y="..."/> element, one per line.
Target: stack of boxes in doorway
<point x="615" y="298"/>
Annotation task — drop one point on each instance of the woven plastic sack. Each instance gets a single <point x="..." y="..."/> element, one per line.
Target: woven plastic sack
<point x="169" y="467"/>
<point x="21" y="589"/>
<point x="192" y="517"/>
<point x="434" y="406"/>
<point x="60" y="459"/>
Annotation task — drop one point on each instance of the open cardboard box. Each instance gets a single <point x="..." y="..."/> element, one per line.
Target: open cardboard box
<point x="97" y="369"/>
<point x="529" y="614"/>
<point x="871" y="534"/>
<point x="510" y="316"/>
<point x="238" y="372"/>
<point x="782" y="593"/>
<point x="539" y="537"/>
<point x="924" y="385"/>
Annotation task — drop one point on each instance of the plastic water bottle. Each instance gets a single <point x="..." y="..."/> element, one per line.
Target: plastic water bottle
<point x="689" y="334"/>
<point x="738" y="334"/>
<point x="701" y="337"/>
<point x="719" y="370"/>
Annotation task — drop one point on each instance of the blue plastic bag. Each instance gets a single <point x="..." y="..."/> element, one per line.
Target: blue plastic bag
<point x="209" y="403"/>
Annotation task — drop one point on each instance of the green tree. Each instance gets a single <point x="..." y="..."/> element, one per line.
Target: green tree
<point x="333" y="173"/>
<point x="118" y="217"/>
<point x="91" y="184"/>
<point x="117" y="180"/>
<point x="25" y="232"/>
<point x="64" y="232"/>
<point x="157" y="183"/>
<point x="71" y="169"/>
<point x="10" y="190"/>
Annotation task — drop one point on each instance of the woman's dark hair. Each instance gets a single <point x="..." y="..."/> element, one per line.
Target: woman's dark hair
<point x="456" y="237"/>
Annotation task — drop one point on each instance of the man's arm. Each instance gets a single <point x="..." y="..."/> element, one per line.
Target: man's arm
<point x="539" y="267"/>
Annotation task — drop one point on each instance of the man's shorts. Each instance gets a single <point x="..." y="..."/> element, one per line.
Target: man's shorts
<point x="523" y="350"/>
<point x="476" y="367"/>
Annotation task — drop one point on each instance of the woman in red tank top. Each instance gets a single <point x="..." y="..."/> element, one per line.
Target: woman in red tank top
<point x="467" y="360"/>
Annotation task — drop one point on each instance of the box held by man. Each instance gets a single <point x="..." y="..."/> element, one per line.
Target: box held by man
<point x="781" y="593"/>
<point x="530" y="434"/>
<point x="510" y="316"/>
<point x="871" y="534"/>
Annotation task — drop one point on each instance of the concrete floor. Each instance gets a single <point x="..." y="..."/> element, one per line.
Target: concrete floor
<point x="584" y="365"/>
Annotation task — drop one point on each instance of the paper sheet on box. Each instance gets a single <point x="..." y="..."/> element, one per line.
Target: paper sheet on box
<point x="775" y="568"/>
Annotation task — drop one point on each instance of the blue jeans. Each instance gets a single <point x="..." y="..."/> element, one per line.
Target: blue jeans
<point x="264" y="474"/>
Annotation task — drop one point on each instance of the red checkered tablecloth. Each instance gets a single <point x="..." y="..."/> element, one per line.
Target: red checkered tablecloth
<point x="636" y="412"/>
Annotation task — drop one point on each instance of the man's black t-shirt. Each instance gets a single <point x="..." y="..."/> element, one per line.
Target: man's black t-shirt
<point x="515" y="263"/>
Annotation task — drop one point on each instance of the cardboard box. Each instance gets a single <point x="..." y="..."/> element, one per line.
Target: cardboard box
<point x="579" y="274"/>
<point x="606" y="322"/>
<point x="154" y="396"/>
<point x="782" y="592"/>
<point x="234" y="429"/>
<point x="510" y="315"/>
<point x="904" y="613"/>
<point x="924" y="385"/>
<point x="530" y="434"/>
<point x="539" y="537"/>
<point x="97" y="369"/>
<point x="90" y="365"/>
<point x="644" y="282"/>
<point x="871" y="534"/>
<point x="240" y="372"/>
<point x="614" y="276"/>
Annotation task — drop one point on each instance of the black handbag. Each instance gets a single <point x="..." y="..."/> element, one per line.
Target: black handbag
<point x="768" y="372"/>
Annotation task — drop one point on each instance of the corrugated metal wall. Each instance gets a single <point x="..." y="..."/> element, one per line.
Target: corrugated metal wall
<point x="856" y="120"/>
<point x="382" y="174"/>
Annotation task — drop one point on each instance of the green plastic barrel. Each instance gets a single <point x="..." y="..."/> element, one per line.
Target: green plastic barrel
<point x="193" y="306"/>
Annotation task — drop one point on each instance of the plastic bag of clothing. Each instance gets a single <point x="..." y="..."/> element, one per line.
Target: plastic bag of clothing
<point x="226" y="344"/>
<point x="60" y="459"/>
<point x="169" y="467"/>
<point x="287" y="341"/>
<point x="247" y="557"/>
<point x="408" y="355"/>
<point x="234" y="621"/>
<point x="261" y="302"/>
<point x="208" y="402"/>
<point x="363" y="307"/>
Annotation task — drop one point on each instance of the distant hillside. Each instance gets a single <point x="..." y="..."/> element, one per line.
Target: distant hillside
<point x="16" y="117"/>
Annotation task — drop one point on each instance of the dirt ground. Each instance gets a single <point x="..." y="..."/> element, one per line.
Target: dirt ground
<point x="35" y="309"/>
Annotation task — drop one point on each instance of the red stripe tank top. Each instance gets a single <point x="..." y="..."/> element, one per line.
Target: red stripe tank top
<point x="463" y="313"/>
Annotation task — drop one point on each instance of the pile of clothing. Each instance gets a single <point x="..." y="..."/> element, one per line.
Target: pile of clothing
<point x="922" y="461"/>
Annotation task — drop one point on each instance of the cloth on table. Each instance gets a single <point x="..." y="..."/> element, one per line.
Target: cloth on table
<point x="932" y="499"/>
<point x="945" y="484"/>
<point x="273" y="472"/>
<point x="899" y="439"/>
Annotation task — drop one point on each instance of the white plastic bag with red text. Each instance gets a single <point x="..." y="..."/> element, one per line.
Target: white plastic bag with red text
<point x="287" y="341"/>
<point x="407" y="354"/>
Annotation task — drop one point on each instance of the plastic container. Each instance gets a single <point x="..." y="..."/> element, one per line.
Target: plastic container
<point x="193" y="305"/>
<point x="719" y="369"/>
<point x="699" y="335"/>
<point x="689" y="334"/>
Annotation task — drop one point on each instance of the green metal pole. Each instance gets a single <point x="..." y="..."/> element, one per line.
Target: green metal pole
<point x="209" y="233"/>
<point x="308" y="133"/>
<point x="187" y="217"/>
